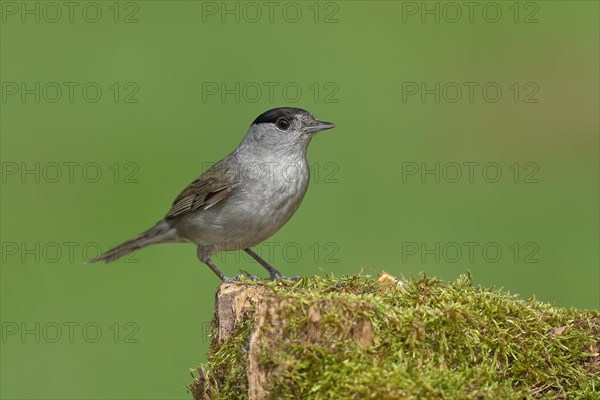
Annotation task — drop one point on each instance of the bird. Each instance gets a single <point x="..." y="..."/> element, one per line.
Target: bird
<point x="243" y="199"/>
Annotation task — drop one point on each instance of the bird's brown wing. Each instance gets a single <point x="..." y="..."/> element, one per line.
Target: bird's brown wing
<point x="207" y="190"/>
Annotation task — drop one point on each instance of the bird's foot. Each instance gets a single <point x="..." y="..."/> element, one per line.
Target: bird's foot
<point x="278" y="275"/>
<point x="249" y="275"/>
<point x="239" y="277"/>
<point x="227" y="279"/>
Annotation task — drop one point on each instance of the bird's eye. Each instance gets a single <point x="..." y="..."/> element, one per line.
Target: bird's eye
<point x="283" y="124"/>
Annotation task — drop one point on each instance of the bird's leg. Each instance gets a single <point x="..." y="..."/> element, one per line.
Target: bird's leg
<point x="206" y="260"/>
<point x="274" y="274"/>
<point x="217" y="271"/>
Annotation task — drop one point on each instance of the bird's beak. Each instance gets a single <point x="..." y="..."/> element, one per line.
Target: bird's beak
<point x="320" y="126"/>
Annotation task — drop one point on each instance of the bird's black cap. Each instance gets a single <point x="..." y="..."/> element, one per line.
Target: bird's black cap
<point x="274" y="114"/>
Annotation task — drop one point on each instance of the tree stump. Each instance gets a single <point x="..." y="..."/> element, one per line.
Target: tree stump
<point x="355" y="338"/>
<point x="236" y="303"/>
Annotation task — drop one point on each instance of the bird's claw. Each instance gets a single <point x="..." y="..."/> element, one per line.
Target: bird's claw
<point x="246" y="274"/>
<point x="249" y="275"/>
<point x="279" y="275"/>
<point x="239" y="277"/>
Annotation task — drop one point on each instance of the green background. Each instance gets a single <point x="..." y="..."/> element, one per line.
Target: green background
<point x="359" y="211"/>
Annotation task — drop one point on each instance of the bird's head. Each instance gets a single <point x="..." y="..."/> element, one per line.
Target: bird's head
<point x="285" y="128"/>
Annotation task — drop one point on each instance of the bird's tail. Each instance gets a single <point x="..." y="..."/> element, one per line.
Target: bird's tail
<point x="162" y="232"/>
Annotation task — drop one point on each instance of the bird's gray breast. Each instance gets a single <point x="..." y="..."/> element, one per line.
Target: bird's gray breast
<point x="268" y="194"/>
<point x="270" y="197"/>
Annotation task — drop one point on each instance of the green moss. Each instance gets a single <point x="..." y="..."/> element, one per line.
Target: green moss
<point x="425" y="339"/>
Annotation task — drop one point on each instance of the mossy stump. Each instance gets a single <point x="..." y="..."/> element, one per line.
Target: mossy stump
<point x="357" y="338"/>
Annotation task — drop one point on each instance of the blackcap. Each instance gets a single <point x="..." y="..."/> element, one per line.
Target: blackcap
<point x="243" y="199"/>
